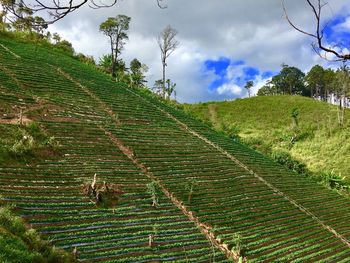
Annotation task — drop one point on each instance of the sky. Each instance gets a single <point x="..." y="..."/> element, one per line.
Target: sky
<point x="223" y="43"/>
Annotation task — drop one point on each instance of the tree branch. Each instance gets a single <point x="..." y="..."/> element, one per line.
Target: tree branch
<point x="57" y="10"/>
<point x="319" y="33"/>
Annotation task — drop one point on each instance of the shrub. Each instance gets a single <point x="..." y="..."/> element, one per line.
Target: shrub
<point x="284" y="158"/>
<point x="333" y="180"/>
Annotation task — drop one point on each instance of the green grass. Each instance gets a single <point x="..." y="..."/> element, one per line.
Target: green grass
<point x="22" y="245"/>
<point x="266" y="124"/>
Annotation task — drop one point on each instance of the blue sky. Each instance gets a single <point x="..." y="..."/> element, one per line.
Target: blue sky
<point x="232" y="75"/>
<point x="338" y="31"/>
<point x="221" y="46"/>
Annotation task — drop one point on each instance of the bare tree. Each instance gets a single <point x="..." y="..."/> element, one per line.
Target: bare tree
<point x="167" y="44"/>
<point x="318" y="33"/>
<point x="55" y="9"/>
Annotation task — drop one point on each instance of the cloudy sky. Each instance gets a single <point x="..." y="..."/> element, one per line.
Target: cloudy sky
<point x="224" y="43"/>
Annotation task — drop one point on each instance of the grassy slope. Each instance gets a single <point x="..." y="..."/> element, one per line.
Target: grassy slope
<point x="21" y="245"/>
<point x="266" y="122"/>
<point x="24" y="143"/>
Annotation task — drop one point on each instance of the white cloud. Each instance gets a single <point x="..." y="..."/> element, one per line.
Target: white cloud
<point x="230" y="89"/>
<point x="250" y="30"/>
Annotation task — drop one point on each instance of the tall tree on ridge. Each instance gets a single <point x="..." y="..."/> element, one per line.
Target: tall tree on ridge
<point x="167" y="44"/>
<point x="116" y="29"/>
<point x="248" y="86"/>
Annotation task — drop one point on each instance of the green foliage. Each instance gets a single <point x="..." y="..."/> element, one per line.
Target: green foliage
<point x="19" y="244"/>
<point x="268" y="90"/>
<point x="116" y="29"/>
<point x="152" y="189"/>
<point x="105" y="63"/>
<point x="190" y="185"/>
<point x="290" y="81"/>
<point x="168" y="88"/>
<point x="66" y="47"/>
<point x="249" y="84"/>
<point x="264" y="123"/>
<point x="230" y="129"/>
<point x="137" y="71"/>
<point x="334" y="180"/>
<point x="284" y="158"/>
<point x="19" y="143"/>
<point x="89" y="60"/>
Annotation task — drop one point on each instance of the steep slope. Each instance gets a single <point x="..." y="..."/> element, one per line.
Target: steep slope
<point x="267" y="123"/>
<point x="132" y="140"/>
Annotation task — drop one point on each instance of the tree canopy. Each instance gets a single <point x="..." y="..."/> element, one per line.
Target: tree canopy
<point x="116" y="29"/>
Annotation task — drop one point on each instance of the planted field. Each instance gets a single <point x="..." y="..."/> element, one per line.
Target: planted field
<point x="209" y="189"/>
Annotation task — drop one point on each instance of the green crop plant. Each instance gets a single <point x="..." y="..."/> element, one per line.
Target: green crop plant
<point x="192" y="182"/>
<point x="152" y="189"/>
<point x="237" y="244"/>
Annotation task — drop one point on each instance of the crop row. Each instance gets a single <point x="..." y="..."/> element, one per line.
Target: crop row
<point x="225" y="195"/>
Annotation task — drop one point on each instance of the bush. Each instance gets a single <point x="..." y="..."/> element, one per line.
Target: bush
<point x="334" y="181"/>
<point x="284" y="158"/>
<point x="17" y="244"/>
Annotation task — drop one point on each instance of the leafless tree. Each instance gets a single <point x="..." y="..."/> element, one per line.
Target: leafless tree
<point x="167" y="44"/>
<point x="55" y="9"/>
<point x="319" y="46"/>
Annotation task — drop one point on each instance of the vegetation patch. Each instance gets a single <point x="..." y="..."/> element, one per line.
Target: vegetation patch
<point x="103" y="194"/>
<point x="23" y="143"/>
<point x="20" y="244"/>
<point x="298" y="132"/>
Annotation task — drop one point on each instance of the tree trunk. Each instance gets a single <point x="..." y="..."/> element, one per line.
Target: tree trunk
<point x="340" y="112"/>
<point x="113" y="60"/>
<point x="164" y="65"/>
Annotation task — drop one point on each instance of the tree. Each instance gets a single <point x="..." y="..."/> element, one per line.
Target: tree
<point x="165" y="90"/>
<point x="341" y="89"/>
<point x="158" y="87"/>
<point x="137" y="70"/>
<point x="169" y="88"/>
<point x="268" y="90"/>
<point x="54" y="9"/>
<point x="249" y="84"/>
<point x="66" y="46"/>
<point x="319" y="46"/>
<point x="89" y="60"/>
<point x="56" y="37"/>
<point x="290" y="80"/>
<point x="25" y="19"/>
<point x="167" y="44"/>
<point x="116" y="29"/>
<point x="105" y="63"/>
<point x="329" y="76"/>
<point x="315" y="81"/>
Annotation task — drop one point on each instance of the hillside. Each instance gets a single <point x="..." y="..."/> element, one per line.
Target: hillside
<point x="181" y="191"/>
<point x="265" y="122"/>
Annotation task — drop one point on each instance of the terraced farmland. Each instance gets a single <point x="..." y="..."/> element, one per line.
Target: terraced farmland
<point x="132" y="140"/>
